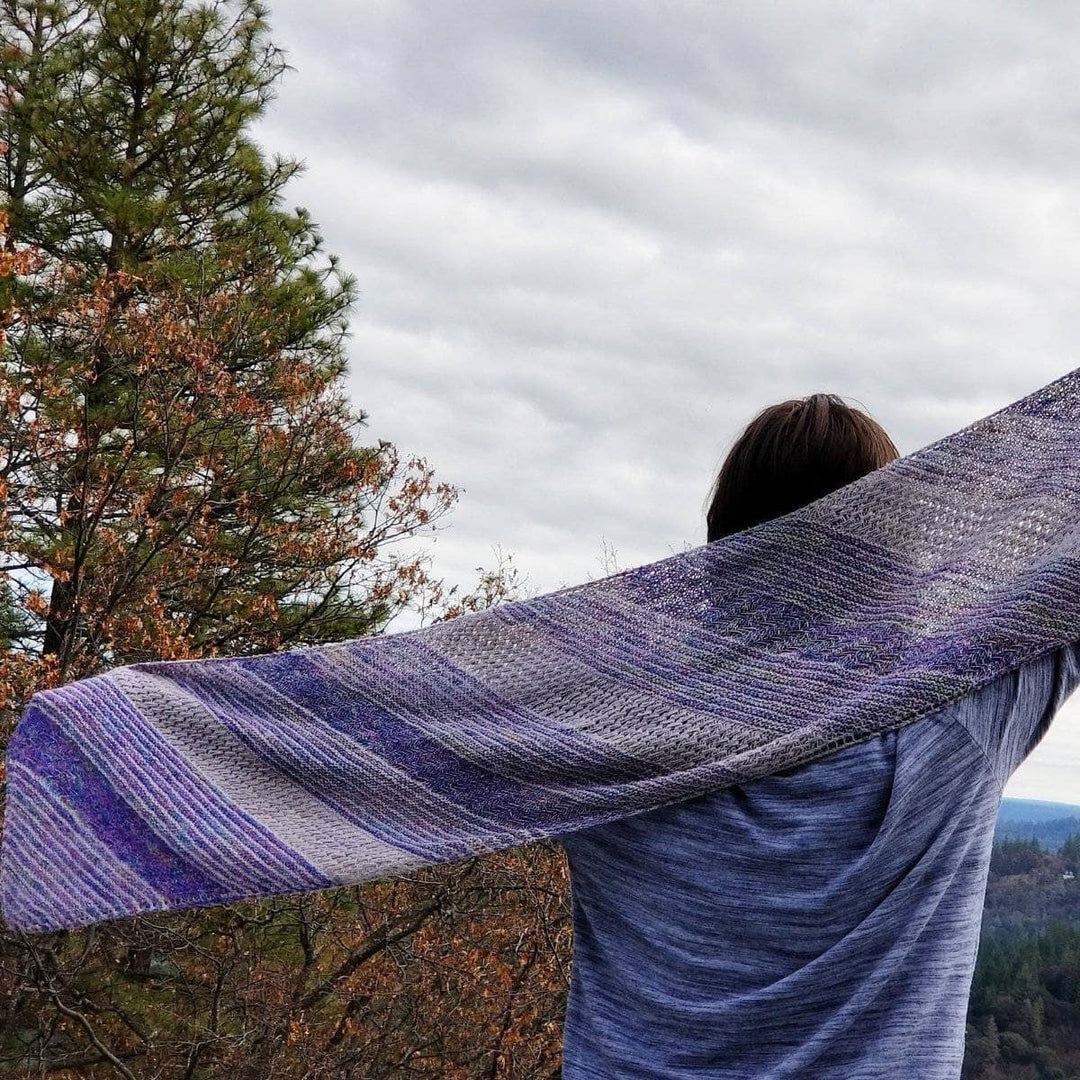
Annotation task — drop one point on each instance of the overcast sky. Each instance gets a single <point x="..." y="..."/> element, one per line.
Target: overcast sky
<point x="593" y="239"/>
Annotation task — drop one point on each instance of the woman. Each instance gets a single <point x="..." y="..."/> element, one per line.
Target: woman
<point x="821" y="923"/>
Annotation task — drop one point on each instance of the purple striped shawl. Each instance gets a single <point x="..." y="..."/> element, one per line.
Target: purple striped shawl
<point x="165" y="785"/>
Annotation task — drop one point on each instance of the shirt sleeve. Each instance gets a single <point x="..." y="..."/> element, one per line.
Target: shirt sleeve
<point x="1009" y="716"/>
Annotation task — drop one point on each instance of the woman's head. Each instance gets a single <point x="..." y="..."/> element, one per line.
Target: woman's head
<point x="791" y="454"/>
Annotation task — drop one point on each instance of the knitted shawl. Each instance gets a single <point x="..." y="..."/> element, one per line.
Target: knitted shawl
<point x="173" y="784"/>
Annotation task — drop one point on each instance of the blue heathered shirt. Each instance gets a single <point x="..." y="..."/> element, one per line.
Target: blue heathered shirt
<point x="821" y="924"/>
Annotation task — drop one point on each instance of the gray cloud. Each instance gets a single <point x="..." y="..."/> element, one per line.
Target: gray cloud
<point x="594" y="239"/>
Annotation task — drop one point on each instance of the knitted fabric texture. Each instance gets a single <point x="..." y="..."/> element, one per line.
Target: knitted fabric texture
<point x="172" y="784"/>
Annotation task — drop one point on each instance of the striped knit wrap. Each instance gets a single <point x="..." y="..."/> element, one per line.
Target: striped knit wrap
<point x="166" y="785"/>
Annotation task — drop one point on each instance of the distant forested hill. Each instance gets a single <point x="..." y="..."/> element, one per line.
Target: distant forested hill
<point x="1051" y="823"/>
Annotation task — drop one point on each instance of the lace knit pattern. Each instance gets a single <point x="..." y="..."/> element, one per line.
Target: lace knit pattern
<point x="171" y="784"/>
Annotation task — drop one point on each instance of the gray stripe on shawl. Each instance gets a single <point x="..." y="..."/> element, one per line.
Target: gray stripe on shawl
<point x="930" y="535"/>
<point x="337" y="847"/>
<point x="584" y="699"/>
<point x="579" y="695"/>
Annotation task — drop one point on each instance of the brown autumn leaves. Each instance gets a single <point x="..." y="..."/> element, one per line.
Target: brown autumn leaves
<point x="167" y="530"/>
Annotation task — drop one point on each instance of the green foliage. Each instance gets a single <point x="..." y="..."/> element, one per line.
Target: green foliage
<point x="184" y="477"/>
<point x="128" y="149"/>
<point x="127" y="127"/>
<point x="1024" y="1010"/>
<point x="1015" y="856"/>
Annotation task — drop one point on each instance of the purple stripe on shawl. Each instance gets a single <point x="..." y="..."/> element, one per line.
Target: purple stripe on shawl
<point x="324" y="760"/>
<point x="497" y="799"/>
<point x="715" y="588"/>
<point x="56" y="760"/>
<point x="176" y="801"/>
<point x="757" y="574"/>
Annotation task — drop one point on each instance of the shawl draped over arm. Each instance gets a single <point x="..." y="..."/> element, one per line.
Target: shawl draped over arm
<point x="165" y="785"/>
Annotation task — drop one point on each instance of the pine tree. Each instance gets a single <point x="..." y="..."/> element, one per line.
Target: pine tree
<point x="182" y="478"/>
<point x="128" y="130"/>
<point x="993" y="1040"/>
<point x="185" y="335"/>
<point x="1070" y="853"/>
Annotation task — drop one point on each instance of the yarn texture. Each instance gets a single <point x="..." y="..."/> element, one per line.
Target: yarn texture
<point x="171" y="784"/>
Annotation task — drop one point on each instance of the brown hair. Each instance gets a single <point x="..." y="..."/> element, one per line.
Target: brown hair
<point x="791" y="454"/>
